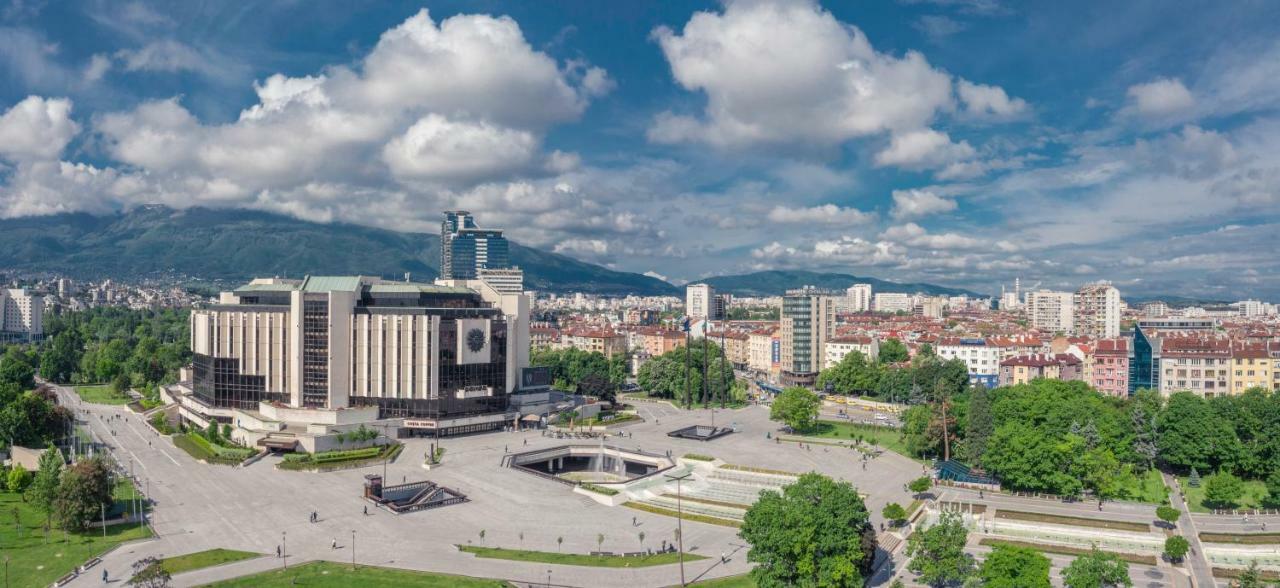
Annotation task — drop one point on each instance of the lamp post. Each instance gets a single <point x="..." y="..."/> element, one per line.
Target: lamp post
<point x="353" y="550"/>
<point x="680" y="521"/>
<point x="548" y="578"/>
<point x="284" y="552"/>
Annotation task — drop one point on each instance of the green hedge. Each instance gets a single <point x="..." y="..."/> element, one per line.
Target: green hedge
<point x="305" y="461"/>
<point x="699" y="457"/>
<point x="200" y="448"/>
<point x="237" y="453"/>
<point x="599" y="489"/>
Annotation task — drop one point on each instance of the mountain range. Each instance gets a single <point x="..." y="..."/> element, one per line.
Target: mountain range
<point x="234" y="244"/>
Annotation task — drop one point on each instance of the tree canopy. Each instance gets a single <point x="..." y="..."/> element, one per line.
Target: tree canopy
<point x="1009" y="566"/>
<point x="797" y="408"/>
<point x="816" y="532"/>
<point x="937" y="552"/>
<point x="665" y="375"/>
<point x="1097" y="569"/>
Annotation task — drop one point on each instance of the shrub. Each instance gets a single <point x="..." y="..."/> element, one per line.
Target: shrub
<point x="599" y="489"/>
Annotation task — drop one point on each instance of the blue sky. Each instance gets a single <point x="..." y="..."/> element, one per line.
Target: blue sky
<point x="963" y="142"/>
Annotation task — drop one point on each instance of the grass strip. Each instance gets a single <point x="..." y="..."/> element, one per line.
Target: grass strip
<point x="578" y="559"/>
<point x="101" y="394"/>
<point x="327" y="574"/>
<point x="1149" y="560"/>
<point x="1036" y="517"/>
<point x="709" y="501"/>
<point x="687" y="516"/>
<point x="698" y="457"/>
<point x="755" y="470"/>
<point x="1242" y="539"/>
<point x="204" y="559"/>
<point x="599" y="489"/>
<point x="1237" y="572"/>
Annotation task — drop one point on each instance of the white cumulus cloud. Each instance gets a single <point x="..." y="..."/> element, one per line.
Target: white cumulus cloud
<point x="919" y="203"/>
<point x="826" y="214"/>
<point x="37" y="128"/>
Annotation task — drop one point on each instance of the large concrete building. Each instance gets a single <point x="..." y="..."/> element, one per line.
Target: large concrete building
<point x="1051" y="312"/>
<point x="858" y="298"/>
<point x="21" y="315"/>
<point x="702" y="302"/>
<point x="1097" y="311"/>
<point x="892" y="302"/>
<point x="808" y="320"/>
<point x="293" y="362"/>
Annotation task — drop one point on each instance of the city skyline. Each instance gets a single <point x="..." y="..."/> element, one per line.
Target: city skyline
<point x="964" y="143"/>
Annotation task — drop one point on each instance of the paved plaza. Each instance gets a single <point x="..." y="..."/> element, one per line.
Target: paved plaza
<point x="257" y="508"/>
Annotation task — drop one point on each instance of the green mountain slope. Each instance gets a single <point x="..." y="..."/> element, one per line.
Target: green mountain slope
<point x="776" y="282"/>
<point x="223" y="244"/>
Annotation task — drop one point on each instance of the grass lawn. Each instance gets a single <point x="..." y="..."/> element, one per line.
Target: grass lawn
<point x="742" y="581"/>
<point x="886" y="437"/>
<point x="101" y="394"/>
<point x="578" y="559"/>
<point x="1036" y="517"/>
<point x="1255" y="491"/>
<point x="687" y="516"/>
<point x="1148" y="488"/>
<point x="37" y="563"/>
<point x="204" y="559"/>
<point x="327" y="574"/>
<point x="1242" y="539"/>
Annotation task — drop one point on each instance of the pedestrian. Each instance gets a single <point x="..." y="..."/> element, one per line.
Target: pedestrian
<point x="104" y="576"/>
<point x="277" y="552"/>
<point x="526" y="442"/>
<point x="334" y="545"/>
<point x="366" y="510"/>
<point x="504" y="449"/>
<point x="633" y="521"/>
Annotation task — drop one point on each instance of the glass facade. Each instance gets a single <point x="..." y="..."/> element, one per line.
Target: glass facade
<point x="315" y="350"/>
<point x="1143" y="371"/>
<point x="218" y="382"/>
<point x="799" y="310"/>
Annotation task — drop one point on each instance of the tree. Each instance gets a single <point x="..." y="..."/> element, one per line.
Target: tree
<point x="1250" y="577"/>
<point x="1097" y="569"/>
<point x="980" y="426"/>
<point x="1194" y="436"/>
<point x="599" y="541"/>
<point x="641" y="536"/>
<point x="1168" y="514"/>
<point x="149" y="572"/>
<point x="1194" y="479"/>
<point x="893" y="351"/>
<point x="797" y="408"/>
<point x="853" y="374"/>
<point x="815" y="532"/>
<point x="1223" y="490"/>
<point x="19" y="478"/>
<point x="920" y="485"/>
<point x="83" y="493"/>
<point x="1014" y="567"/>
<point x="44" y="488"/>
<point x="211" y="432"/>
<point x="1273" y="489"/>
<point x="16" y="367"/>
<point x="894" y="513"/>
<point x="937" y="552"/>
<point x="559" y="542"/>
<point x="1176" y="548"/>
<point x="1102" y="473"/>
<point x="58" y="362"/>
<point x="120" y="384"/>
<point x="31" y="421"/>
<point x="226" y="432"/>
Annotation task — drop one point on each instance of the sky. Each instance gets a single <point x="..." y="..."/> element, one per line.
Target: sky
<point x="960" y="142"/>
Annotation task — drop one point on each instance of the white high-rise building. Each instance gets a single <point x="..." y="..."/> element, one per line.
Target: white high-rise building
<point x="1051" y="311"/>
<point x="893" y="302"/>
<point x="21" y="315"/>
<point x="1251" y="307"/>
<point x="858" y="298"/>
<point x="701" y="301"/>
<point x="1097" y="311"/>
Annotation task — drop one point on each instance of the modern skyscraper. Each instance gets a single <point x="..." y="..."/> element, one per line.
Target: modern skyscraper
<point x="466" y="250"/>
<point x="859" y="297"/>
<point x="808" y="320"/>
<point x="1097" y="311"/>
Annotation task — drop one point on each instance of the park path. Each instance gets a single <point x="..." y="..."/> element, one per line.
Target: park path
<point x="1201" y="570"/>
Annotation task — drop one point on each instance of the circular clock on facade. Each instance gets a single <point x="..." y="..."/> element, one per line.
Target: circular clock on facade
<point x="475" y="340"/>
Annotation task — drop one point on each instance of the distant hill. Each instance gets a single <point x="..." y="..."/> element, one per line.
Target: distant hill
<point x="776" y="282"/>
<point x="228" y="244"/>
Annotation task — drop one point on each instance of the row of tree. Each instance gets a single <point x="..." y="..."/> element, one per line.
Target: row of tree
<point x="585" y="372"/>
<point x="104" y="344"/>
<point x="71" y="497"/>
<point x="28" y="417"/>
<point x="891" y="378"/>
<point x="679" y="375"/>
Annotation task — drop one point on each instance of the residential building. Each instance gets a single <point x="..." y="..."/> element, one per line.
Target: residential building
<point x="930" y="307"/>
<point x="509" y="280"/>
<point x="858" y="298"/>
<point x="294" y="363"/>
<point x="1144" y="360"/>
<point x="737" y="347"/>
<point x="981" y="356"/>
<point x="1201" y="365"/>
<point x="808" y="320"/>
<point x="465" y="248"/>
<point x="765" y="351"/>
<point x="1097" y="311"/>
<point x="606" y="342"/>
<point x="655" y="341"/>
<point x="892" y="302"/>
<point x="544" y="337"/>
<point x="701" y="301"/>
<point x="1109" y="372"/>
<point x="838" y="347"/>
<point x="1251" y="367"/>
<point x="21" y="315"/>
<point x="1155" y="309"/>
<point x="1050" y="312"/>
<point x="1024" y="368"/>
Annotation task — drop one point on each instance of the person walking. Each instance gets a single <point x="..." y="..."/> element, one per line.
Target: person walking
<point x="334" y="545"/>
<point x="366" y="510"/>
<point x="277" y="552"/>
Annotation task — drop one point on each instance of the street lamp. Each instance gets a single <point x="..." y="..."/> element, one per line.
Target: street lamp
<point x="353" y="550"/>
<point x="680" y="521"/>
<point x="548" y="578"/>
<point x="284" y="552"/>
